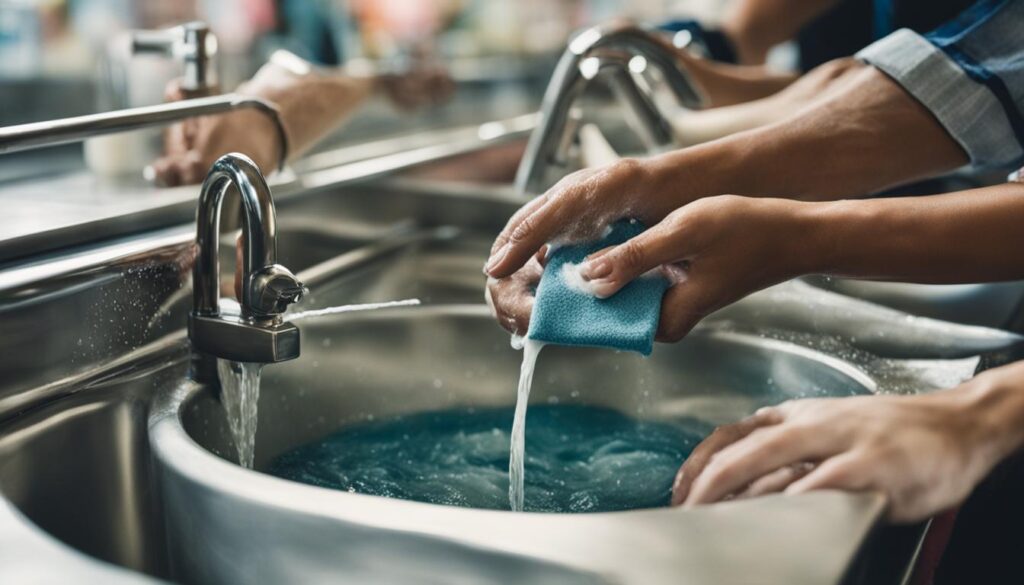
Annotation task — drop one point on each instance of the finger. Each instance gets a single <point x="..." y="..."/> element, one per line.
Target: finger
<point x="190" y="168"/>
<point x="557" y="212"/>
<point x="842" y="472"/>
<point x="511" y="299"/>
<point x="682" y="307"/>
<point x="520" y="213"/>
<point x="542" y="255"/>
<point x="760" y="453"/>
<point x="619" y="266"/>
<point x="776" y="481"/>
<point x="511" y="307"/>
<point x="173" y="91"/>
<point x="599" y="254"/>
<point x="525" y="233"/>
<point x="721" y="438"/>
<point x="165" y="172"/>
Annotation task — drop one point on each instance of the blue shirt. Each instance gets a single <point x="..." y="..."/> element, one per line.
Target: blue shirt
<point x="969" y="73"/>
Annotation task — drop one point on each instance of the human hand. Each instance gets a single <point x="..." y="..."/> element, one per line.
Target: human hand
<point x="715" y="251"/>
<point x="192" y="146"/>
<point x="577" y="208"/>
<point x="424" y="84"/>
<point x="925" y="453"/>
<point x="511" y="298"/>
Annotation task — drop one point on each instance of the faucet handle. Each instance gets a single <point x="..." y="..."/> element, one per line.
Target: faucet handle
<point x="272" y="289"/>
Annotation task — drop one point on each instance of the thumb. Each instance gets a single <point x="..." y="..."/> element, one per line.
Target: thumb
<point x="610" y="269"/>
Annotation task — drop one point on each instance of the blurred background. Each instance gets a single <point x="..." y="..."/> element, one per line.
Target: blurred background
<point x="60" y="57"/>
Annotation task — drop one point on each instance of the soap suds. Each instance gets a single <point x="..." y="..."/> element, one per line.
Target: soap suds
<point x="575" y="236"/>
<point x="574" y="280"/>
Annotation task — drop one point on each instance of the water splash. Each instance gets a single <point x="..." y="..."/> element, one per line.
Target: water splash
<point x="351" y="309"/>
<point x="240" y="394"/>
<point x="240" y="383"/>
<point x="517" y="451"/>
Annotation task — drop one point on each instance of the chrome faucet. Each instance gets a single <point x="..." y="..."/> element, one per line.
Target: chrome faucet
<point x="616" y="49"/>
<point x="193" y="44"/>
<point x="259" y="334"/>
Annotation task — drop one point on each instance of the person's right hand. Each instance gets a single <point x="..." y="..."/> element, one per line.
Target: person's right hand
<point x="715" y="250"/>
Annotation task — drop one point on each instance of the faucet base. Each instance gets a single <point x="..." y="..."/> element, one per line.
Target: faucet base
<point x="233" y="339"/>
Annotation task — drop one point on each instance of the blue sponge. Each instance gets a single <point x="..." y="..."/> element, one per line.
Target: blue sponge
<point x="564" y="315"/>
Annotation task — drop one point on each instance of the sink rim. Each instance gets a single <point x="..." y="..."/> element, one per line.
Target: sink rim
<point x="167" y="422"/>
<point x="628" y="546"/>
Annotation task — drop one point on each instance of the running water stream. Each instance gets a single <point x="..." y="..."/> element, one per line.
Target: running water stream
<point x="517" y="450"/>
<point x="240" y="393"/>
<point x="351" y="309"/>
<point x="240" y="382"/>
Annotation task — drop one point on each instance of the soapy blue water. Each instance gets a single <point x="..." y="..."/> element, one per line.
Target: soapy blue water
<point x="578" y="459"/>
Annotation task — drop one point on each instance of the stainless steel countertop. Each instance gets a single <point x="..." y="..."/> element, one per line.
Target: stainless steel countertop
<point x="78" y="208"/>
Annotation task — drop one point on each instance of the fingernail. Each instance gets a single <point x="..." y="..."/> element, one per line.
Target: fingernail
<point x="592" y="269"/>
<point x="602" y="288"/>
<point x="496" y="259"/>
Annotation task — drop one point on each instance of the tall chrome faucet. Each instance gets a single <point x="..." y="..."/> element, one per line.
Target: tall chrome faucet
<point x="193" y="44"/>
<point x="609" y="48"/>
<point x="259" y="334"/>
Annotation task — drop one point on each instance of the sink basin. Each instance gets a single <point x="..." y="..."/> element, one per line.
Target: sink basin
<point x="227" y="524"/>
<point x="986" y="304"/>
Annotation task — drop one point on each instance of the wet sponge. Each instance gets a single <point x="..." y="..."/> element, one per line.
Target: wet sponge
<point x="564" y="313"/>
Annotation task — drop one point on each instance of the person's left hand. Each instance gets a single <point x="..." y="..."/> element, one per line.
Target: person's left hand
<point x="925" y="453"/>
<point x="192" y="146"/>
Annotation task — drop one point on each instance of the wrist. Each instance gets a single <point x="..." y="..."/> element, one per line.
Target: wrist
<point x="805" y="245"/>
<point x="995" y="403"/>
<point x="310" y="104"/>
<point x="844" y="238"/>
<point x="677" y="178"/>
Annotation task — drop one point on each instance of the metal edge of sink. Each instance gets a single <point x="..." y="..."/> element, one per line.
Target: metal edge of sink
<point x="332" y="268"/>
<point x="645" y="546"/>
<point x="136" y="209"/>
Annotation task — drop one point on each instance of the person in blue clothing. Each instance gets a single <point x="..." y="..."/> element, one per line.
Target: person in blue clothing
<point x="822" y="29"/>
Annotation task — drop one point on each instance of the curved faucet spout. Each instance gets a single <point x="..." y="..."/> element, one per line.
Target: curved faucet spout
<point x="260" y="228"/>
<point x="593" y="51"/>
<point x="259" y="334"/>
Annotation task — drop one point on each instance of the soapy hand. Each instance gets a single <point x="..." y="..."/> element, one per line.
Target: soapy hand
<point x="511" y="298"/>
<point x="925" y="453"/>
<point x="715" y="251"/>
<point x="578" y="208"/>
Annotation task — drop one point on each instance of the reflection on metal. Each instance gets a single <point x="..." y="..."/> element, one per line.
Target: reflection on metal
<point x="54" y="132"/>
<point x="77" y="401"/>
<point x="259" y="334"/>
<point x="192" y="43"/>
<point x="613" y="46"/>
<point x="711" y="377"/>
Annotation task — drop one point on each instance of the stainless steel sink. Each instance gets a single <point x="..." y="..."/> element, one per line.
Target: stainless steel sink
<point x="223" y="521"/>
<point x="75" y="405"/>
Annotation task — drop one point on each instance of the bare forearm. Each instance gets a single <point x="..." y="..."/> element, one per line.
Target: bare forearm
<point x="312" y="105"/>
<point x="866" y="135"/>
<point x="970" y="236"/>
<point x="724" y="84"/>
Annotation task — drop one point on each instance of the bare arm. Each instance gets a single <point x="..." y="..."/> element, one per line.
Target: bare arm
<point x="864" y="136"/>
<point x="925" y="453"/>
<point x="311" y="104"/>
